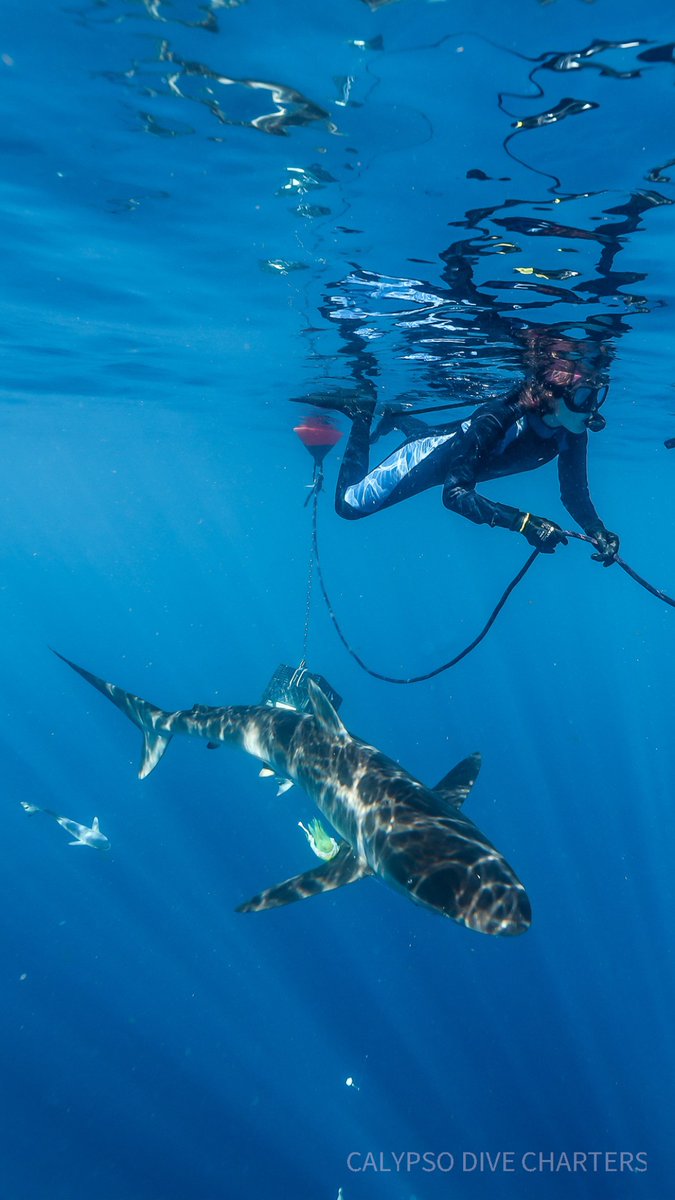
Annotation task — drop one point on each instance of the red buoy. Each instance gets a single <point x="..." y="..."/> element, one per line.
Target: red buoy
<point x="318" y="435"/>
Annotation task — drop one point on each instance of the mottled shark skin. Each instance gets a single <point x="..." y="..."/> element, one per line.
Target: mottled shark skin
<point x="414" y="838"/>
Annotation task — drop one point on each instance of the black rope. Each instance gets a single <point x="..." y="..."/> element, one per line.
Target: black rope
<point x="582" y="537"/>
<point x="437" y="670"/>
<point x="649" y="587"/>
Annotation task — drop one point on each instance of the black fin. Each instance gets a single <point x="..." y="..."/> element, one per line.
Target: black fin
<point x="213" y="745"/>
<point x="337" y="399"/>
<point x="143" y="714"/>
<point x="343" y="869"/>
<point x="456" y="785"/>
<point x="323" y="710"/>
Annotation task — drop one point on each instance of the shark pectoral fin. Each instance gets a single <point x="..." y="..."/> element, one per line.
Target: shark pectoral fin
<point x="284" y="786"/>
<point x="154" y="745"/>
<point x="94" y="825"/>
<point x="77" y="842"/>
<point x="323" y="710"/>
<point x="456" y="785"/>
<point x="343" y="869"/>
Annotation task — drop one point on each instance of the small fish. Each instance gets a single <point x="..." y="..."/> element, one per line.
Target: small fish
<point x="82" y="835"/>
<point x="323" y="845"/>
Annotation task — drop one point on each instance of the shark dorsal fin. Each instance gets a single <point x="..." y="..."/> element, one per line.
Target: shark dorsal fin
<point x="456" y="785"/>
<point x="343" y="869"/>
<point x="323" y="710"/>
<point x="94" y="825"/>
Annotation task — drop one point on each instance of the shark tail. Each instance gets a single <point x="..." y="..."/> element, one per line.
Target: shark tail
<point x="143" y="714"/>
<point x="154" y="745"/>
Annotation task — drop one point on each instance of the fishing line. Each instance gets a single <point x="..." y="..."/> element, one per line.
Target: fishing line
<point x="316" y="559"/>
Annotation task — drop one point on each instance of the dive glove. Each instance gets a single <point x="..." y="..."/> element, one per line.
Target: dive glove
<point x="544" y="535"/>
<point x="606" y="544"/>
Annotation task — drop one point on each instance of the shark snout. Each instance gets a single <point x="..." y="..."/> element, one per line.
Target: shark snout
<point x="504" y="910"/>
<point x="484" y="896"/>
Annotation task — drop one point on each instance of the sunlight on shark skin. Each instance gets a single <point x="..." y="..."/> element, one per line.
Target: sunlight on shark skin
<point x="413" y="838"/>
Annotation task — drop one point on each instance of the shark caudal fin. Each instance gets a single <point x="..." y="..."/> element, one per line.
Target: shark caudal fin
<point x="143" y="714"/>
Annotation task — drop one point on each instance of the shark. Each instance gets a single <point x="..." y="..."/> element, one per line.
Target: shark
<point x="415" y="839"/>
<point x="82" y="835"/>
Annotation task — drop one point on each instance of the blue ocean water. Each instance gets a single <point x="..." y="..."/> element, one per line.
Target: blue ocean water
<point x="209" y="209"/>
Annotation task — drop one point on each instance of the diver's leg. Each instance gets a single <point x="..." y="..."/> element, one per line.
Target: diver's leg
<point x="414" y="467"/>
<point x="355" y="459"/>
<point x="397" y="418"/>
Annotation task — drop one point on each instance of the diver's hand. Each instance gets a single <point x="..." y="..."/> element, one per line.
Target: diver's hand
<point x="544" y="535"/>
<point x="606" y="544"/>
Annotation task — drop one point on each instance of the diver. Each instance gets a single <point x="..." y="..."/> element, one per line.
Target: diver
<point x="548" y="416"/>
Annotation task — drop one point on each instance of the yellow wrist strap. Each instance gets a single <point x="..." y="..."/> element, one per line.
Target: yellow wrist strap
<point x="525" y="520"/>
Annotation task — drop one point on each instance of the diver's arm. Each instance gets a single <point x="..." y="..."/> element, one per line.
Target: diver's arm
<point x="460" y="495"/>
<point x="575" y="495"/>
<point x="471" y="449"/>
<point x="573" y="476"/>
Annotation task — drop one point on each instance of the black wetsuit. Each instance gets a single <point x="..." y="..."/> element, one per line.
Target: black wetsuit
<point x="499" y="438"/>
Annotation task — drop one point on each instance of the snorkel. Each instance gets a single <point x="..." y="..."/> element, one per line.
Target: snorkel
<point x="586" y="400"/>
